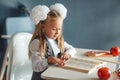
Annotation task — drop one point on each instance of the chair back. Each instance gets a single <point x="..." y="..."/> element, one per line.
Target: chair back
<point x="19" y="64"/>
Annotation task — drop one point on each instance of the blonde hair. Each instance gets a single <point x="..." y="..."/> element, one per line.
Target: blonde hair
<point x="52" y="16"/>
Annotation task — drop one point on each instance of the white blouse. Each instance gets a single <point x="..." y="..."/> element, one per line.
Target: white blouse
<point x="38" y="63"/>
<point x="54" y="46"/>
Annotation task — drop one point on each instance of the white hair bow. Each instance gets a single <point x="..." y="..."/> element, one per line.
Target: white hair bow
<point x="39" y="12"/>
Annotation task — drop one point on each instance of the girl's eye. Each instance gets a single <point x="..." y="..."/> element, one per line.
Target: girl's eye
<point x="53" y="29"/>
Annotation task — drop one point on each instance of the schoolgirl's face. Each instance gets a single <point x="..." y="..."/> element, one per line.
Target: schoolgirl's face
<point x="53" y="29"/>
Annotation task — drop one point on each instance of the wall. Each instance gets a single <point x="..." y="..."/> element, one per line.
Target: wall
<point x="91" y="24"/>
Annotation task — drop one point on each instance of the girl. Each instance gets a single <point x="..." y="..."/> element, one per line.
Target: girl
<point x="47" y="45"/>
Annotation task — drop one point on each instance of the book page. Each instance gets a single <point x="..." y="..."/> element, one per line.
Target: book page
<point x="81" y="65"/>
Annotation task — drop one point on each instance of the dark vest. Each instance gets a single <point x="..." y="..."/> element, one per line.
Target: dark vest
<point x="49" y="51"/>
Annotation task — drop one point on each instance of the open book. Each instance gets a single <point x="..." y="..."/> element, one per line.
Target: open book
<point x="82" y="65"/>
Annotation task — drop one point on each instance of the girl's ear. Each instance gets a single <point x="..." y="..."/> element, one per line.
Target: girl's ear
<point x="43" y="25"/>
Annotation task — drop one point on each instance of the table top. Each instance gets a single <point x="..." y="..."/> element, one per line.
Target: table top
<point x="57" y="73"/>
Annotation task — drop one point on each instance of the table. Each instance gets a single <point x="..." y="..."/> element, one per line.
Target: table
<point x="57" y="73"/>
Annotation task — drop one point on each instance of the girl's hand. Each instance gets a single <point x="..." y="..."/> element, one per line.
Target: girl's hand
<point x="56" y="61"/>
<point x="65" y="57"/>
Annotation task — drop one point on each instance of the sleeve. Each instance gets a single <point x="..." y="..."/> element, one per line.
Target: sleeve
<point x="39" y="64"/>
<point x="69" y="49"/>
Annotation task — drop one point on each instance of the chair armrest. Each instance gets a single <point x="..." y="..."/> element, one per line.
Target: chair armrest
<point x="5" y="36"/>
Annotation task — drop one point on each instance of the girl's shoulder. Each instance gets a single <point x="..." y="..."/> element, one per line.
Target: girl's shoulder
<point x="34" y="45"/>
<point x="34" y="42"/>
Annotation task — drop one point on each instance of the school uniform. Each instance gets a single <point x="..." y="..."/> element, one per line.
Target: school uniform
<point x="40" y="64"/>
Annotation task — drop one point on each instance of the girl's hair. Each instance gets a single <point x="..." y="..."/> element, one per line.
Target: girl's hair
<point x="38" y="33"/>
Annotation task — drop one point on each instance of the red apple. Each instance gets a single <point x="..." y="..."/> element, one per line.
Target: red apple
<point x="104" y="73"/>
<point x="115" y="51"/>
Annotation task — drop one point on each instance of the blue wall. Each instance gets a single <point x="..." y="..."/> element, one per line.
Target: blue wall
<point x="91" y="24"/>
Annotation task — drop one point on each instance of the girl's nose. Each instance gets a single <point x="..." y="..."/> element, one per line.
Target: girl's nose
<point x="57" y="31"/>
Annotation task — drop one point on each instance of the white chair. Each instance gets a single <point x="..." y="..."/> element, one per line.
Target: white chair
<point x="19" y="65"/>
